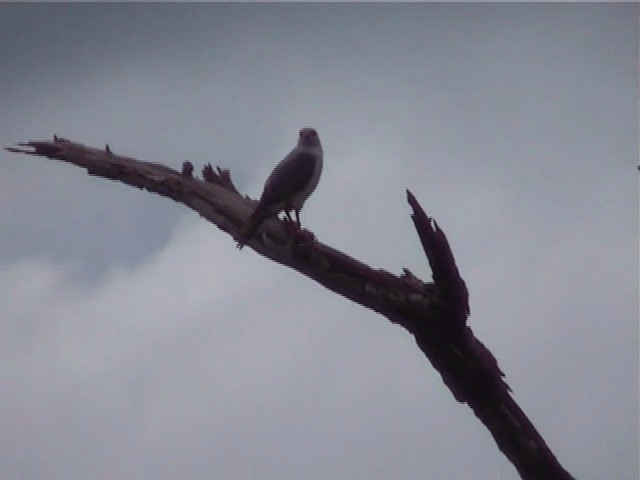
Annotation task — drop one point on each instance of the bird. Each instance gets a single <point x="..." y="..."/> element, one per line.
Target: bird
<point x="289" y="184"/>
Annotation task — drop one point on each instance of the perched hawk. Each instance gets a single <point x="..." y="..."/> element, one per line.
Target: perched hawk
<point x="290" y="183"/>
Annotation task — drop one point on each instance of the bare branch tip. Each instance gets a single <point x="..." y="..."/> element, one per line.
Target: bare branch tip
<point x="23" y="147"/>
<point x="187" y="169"/>
<point x="410" y="198"/>
<point x="207" y="173"/>
<point x="415" y="206"/>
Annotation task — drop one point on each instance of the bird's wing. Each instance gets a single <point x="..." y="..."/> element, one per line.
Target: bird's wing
<point x="290" y="176"/>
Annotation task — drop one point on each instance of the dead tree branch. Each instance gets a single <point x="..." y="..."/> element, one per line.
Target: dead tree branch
<point x="434" y="313"/>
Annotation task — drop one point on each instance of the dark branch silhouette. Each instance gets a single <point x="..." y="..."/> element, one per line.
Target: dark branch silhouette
<point x="434" y="313"/>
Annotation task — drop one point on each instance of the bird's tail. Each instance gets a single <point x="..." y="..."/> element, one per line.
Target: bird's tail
<point x="254" y="223"/>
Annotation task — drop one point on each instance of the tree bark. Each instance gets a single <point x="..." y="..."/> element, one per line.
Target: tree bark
<point x="434" y="313"/>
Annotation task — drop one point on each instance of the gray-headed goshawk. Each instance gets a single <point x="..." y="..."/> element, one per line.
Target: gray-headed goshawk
<point x="289" y="184"/>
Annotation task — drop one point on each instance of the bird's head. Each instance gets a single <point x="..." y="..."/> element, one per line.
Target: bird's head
<point x="308" y="137"/>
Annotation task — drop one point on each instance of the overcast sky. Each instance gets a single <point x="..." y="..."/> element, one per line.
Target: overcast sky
<point x="137" y="342"/>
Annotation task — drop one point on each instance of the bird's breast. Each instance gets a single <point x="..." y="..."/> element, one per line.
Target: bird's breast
<point x="299" y="199"/>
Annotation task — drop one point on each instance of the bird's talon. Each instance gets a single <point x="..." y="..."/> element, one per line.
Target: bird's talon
<point x="304" y="236"/>
<point x="291" y="227"/>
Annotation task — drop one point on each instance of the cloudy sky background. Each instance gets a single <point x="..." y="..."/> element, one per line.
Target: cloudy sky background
<point x="137" y="342"/>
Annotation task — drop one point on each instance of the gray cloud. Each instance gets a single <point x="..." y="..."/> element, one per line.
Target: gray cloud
<point x="130" y="348"/>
